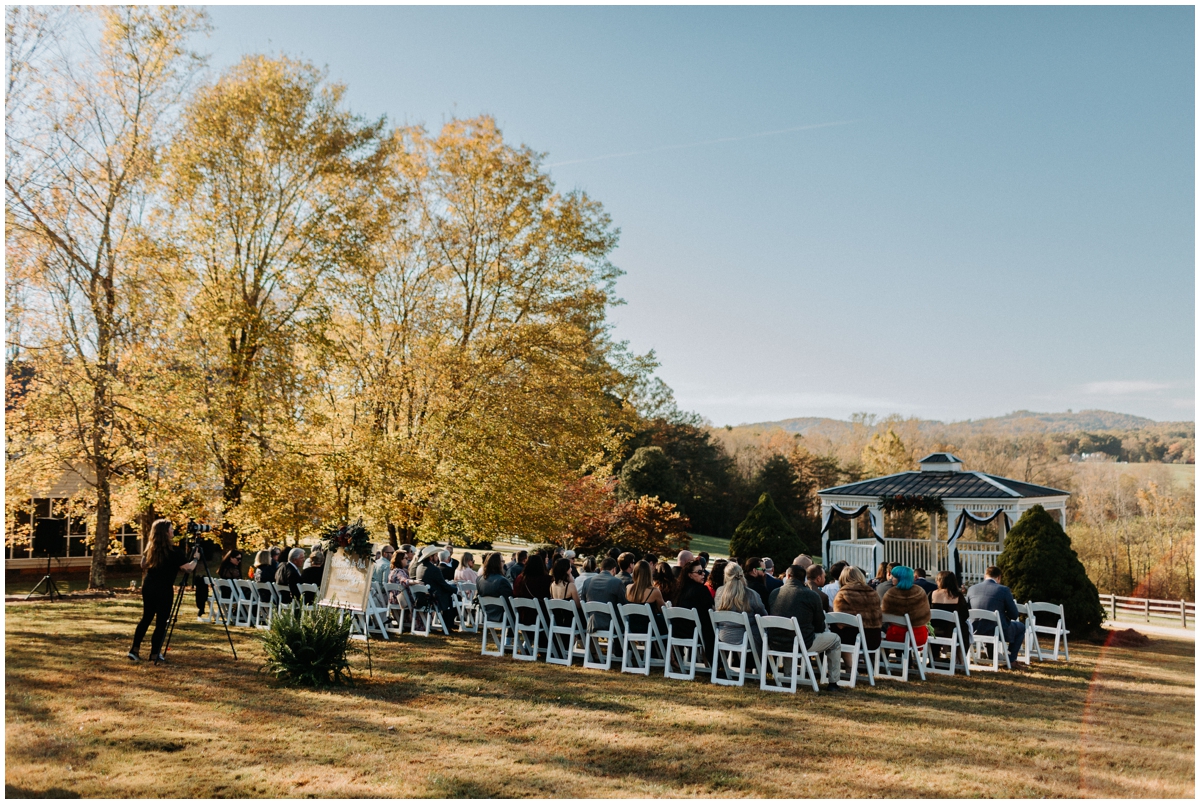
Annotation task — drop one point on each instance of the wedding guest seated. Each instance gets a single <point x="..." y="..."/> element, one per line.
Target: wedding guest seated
<point x="287" y="577"/>
<point x="398" y="575"/>
<point x="562" y="585"/>
<point x="906" y="598"/>
<point x="927" y="586"/>
<point x="588" y="572"/>
<point x="684" y="558"/>
<point x="831" y="579"/>
<point x="643" y="590"/>
<point x="802" y="561"/>
<point x="624" y="564"/>
<point x="736" y="595"/>
<point x="430" y="574"/>
<point x="313" y="573"/>
<point x="693" y="594"/>
<point x="231" y="567"/>
<point x="949" y="598"/>
<point x="605" y="587"/>
<point x="882" y="588"/>
<point x="856" y="597"/>
<point x="771" y="582"/>
<point x="992" y="595"/>
<point x="493" y="583"/>
<point x="814" y="579"/>
<point x="881" y="575"/>
<point x="264" y="571"/>
<point x="466" y="570"/>
<point x="716" y="576"/>
<point x="794" y="599"/>
<point x="664" y="580"/>
<point x="533" y="582"/>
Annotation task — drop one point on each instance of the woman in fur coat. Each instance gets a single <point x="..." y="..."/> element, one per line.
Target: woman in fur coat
<point x="856" y="597"/>
<point x="905" y="598"/>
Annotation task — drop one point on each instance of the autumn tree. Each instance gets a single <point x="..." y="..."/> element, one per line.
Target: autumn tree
<point x="268" y="176"/>
<point x="84" y="136"/>
<point x="472" y="339"/>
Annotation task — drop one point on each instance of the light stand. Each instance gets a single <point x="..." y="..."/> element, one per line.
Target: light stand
<point x="51" y="586"/>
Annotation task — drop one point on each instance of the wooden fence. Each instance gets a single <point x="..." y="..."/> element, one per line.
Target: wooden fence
<point x="1180" y="611"/>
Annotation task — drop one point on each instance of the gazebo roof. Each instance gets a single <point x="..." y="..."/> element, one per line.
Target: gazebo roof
<point x="947" y="485"/>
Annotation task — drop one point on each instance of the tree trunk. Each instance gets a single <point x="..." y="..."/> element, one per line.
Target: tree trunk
<point x="231" y="493"/>
<point x="103" y="524"/>
<point x="391" y="526"/>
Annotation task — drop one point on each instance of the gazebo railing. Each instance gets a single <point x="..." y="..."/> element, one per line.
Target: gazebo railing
<point x="931" y="556"/>
<point x="856" y="554"/>
<point x="974" y="558"/>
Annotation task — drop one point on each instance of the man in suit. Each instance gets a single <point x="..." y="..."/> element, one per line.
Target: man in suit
<point x="772" y="583"/>
<point x="430" y="574"/>
<point x="685" y="556"/>
<point x="991" y="595"/>
<point x="794" y="599"/>
<point x="928" y="586"/>
<point x="624" y="562"/>
<point x="287" y="577"/>
<point x="604" y="587"/>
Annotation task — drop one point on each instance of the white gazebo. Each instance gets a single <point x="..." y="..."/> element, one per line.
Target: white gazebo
<point x="968" y="497"/>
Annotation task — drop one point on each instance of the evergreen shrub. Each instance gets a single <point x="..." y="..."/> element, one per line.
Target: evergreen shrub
<point x="765" y="532"/>
<point x="309" y="648"/>
<point x="1039" y="565"/>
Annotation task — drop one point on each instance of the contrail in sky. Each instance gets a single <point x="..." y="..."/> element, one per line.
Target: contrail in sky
<point x="705" y="142"/>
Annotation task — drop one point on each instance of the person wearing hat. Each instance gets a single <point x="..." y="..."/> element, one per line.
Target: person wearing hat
<point x="430" y="574"/>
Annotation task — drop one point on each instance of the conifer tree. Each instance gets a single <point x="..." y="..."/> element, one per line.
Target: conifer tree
<point x="1039" y="565"/>
<point x="765" y="532"/>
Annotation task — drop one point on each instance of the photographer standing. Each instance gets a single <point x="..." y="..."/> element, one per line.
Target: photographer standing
<point x="161" y="561"/>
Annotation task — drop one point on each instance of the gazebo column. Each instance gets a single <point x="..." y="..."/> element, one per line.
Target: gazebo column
<point x="951" y="520"/>
<point x="854" y="529"/>
<point x="876" y="515"/>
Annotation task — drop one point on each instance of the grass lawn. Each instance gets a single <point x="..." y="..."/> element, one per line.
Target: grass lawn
<point x="437" y="719"/>
<point x="715" y="546"/>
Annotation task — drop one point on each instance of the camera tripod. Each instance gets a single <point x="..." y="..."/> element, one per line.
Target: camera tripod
<point x="216" y="597"/>
<point x="51" y="586"/>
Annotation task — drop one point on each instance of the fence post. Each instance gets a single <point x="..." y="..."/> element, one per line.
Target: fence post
<point x="1147" y="602"/>
<point x="1183" y="612"/>
<point x="1112" y="600"/>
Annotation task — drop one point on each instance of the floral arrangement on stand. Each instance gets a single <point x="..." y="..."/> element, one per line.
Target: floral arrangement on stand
<point x="353" y="538"/>
<point x="928" y="503"/>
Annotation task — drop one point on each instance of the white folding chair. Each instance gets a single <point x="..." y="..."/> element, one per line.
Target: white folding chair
<point x="600" y="638"/>
<point x="219" y="606"/>
<point x="499" y="631"/>
<point x="565" y="632"/>
<point x="307" y="589"/>
<point x="641" y="648"/>
<point x="1058" y="630"/>
<point x="782" y="670"/>
<point x="247" y="602"/>
<point x="268" y="601"/>
<point x="424" y="609"/>
<point x="856" y="652"/>
<point x="526" y="635"/>
<point x="399" y="608"/>
<point x="468" y="612"/>
<point x="996" y="640"/>
<point x="955" y="644"/>
<point x="1030" y="647"/>
<point x="734" y="658"/>
<point x="686" y="653"/>
<point x="907" y="651"/>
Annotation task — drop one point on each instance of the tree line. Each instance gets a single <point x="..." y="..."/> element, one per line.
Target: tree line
<point x="230" y="297"/>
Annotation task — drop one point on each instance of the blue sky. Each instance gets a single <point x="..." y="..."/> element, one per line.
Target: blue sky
<point x="972" y="211"/>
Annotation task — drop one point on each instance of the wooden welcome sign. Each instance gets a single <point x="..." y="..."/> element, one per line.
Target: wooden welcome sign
<point x="346" y="584"/>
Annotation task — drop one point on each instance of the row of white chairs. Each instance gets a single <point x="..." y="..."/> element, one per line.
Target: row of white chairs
<point x="246" y="603"/>
<point x="601" y="632"/>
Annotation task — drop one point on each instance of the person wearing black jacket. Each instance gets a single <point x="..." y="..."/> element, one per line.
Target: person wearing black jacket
<point x="430" y="574"/>
<point x="288" y="577"/>
<point x="162" y="561"/>
<point x="693" y="594"/>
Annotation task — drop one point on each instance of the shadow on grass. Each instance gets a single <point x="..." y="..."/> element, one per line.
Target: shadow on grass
<point x="12" y="791"/>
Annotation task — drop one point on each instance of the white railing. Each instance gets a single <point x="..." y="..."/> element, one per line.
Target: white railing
<point x="856" y="554"/>
<point x="930" y="556"/>
<point x="974" y="558"/>
<point x="1180" y="611"/>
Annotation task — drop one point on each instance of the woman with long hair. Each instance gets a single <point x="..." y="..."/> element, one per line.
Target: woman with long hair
<point x="716" y="577"/>
<point x="562" y="585"/>
<point x="948" y="597"/>
<point x="693" y="594"/>
<point x="493" y="583"/>
<point x="231" y="566"/>
<point x="855" y="596"/>
<point x="398" y="574"/>
<point x="664" y="579"/>
<point x="643" y="590"/>
<point x="736" y="595"/>
<point x="161" y="561"/>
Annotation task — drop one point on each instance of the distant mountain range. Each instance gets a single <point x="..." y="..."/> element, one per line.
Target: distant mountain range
<point x="1015" y="423"/>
